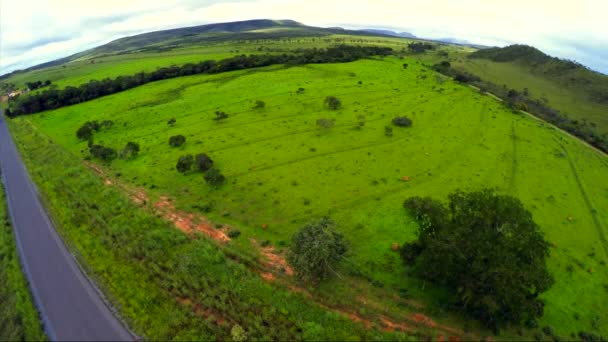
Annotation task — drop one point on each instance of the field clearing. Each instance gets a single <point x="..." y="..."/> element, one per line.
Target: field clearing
<point x="283" y="170"/>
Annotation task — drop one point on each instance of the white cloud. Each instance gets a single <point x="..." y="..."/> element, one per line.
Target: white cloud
<point x="35" y="31"/>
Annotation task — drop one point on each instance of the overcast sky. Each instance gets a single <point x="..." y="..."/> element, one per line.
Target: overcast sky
<point x="32" y="32"/>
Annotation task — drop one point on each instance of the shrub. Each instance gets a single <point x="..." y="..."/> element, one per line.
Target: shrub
<point x="184" y="163"/>
<point x="480" y="235"/>
<point x="106" y="154"/>
<point x="177" y="140"/>
<point x="220" y="116"/>
<point x="238" y="334"/>
<point x="214" y="177"/>
<point x="84" y="133"/>
<point x="171" y="122"/>
<point x="316" y="249"/>
<point x="106" y="124"/>
<point x="333" y="103"/>
<point x="234" y="233"/>
<point x="259" y="104"/>
<point x="203" y="162"/>
<point x="402" y="121"/>
<point x="388" y="131"/>
<point x="130" y="151"/>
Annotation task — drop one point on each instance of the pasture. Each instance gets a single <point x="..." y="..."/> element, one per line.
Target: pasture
<point x="282" y="169"/>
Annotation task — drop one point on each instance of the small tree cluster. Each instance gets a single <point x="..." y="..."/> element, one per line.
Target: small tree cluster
<point x="177" y="140"/>
<point x="316" y="250"/>
<point x="214" y="177"/>
<point x="85" y="132"/>
<point x="332" y="103"/>
<point x="402" y="121"/>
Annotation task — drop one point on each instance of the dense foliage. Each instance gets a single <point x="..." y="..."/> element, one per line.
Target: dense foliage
<point x="130" y="151"/>
<point x="184" y="163"/>
<point x="203" y="162"/>
<point x="106" y="154"/>
<point x="420" y="47"/>
<point x="54" y="98"/>
<point x="37" y="84"/>
<point x="487" y="249"/>
<point x="316" y="250"/>
<point x="332" y="103"/>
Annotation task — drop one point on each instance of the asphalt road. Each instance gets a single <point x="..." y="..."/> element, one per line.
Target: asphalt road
<point x="70" y="307"/>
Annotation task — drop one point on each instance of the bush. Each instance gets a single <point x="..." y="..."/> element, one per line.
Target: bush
<point x="214" y="177"/>
<point x="388" y="131"/>
<point x="402" y="121"/>
<point x="259" y="104"/>
<point x="203" y="162"/>
<point x="177" y="140"/>
<point x="333" y="103"/>
<point x="220" y="116"/>
<point x="130" y="151"/>
<point x="316" y="249"/>
<point x="84" y="133"/>
<point x="234" y="233"/>
<point x="184" y="163"/>
<point x="106" y="154"/>
<point x="325" y="123"/>
<point x="481" y="235"/>
<point x="171" y="122"/>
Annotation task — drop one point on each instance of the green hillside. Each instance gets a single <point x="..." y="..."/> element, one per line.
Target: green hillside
<point x="184" y="260"/>
<point x="283" y="170"/>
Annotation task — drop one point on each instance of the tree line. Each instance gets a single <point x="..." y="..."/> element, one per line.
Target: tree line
<point x="54" y="98"/>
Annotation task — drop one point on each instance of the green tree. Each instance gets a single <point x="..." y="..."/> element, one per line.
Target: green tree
<point x="259" y="104"/>
<point x="184" y="163"/>
<point x="316" y="250"/>
<point x="130" y="151"/>
<point x="333" y="103"/>
<point x="203" y="162"/>
<point x="177" y="140"/>
<point x="487" y="249"/>
<point x="402" y="121"/>
<point x="220" y="116"/>
<point x="84" y="132"/>
<point x="214" y="177"/>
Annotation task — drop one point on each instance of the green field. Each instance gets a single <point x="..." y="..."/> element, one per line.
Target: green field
<point x="283" y="170"/>
<point x="19" y="319"/>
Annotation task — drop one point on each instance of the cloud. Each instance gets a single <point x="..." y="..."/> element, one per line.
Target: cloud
<point x="36" y="31"/>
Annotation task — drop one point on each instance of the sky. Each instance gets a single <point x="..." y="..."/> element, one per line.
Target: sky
<point x="37" y="31"/>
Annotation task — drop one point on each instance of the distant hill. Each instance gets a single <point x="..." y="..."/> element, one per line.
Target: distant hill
<point x="389" y="33"/>
<point x="165" y="40"/>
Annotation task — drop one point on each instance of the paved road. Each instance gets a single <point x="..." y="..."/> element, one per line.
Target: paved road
<point x="70" y="307"/>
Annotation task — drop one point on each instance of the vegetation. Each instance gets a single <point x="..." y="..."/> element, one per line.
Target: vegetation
<point x="316" y="250"/>
<point x="177" y="140"/>
<point x="37" y="84"/>
<point x="203" y="162"/>
<point x="184" y="163"/>
<point x="280" y="172"/>
<point x="130" y="151"/>
<point x="333" y="103"/>
<point x="105" y="154"/>
<point x="420" y="47"/>
<point x="487" y="249"/>
<point x="18" y="317"/>
<point x="402" y="121"/>
<point x="214" y="177"/>
<point x="52" y="99"/>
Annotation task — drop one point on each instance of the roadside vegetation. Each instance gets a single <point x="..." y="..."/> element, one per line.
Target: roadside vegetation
<point x="19" y="319"/>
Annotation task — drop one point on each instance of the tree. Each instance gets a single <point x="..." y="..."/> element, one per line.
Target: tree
<point x="316" y="249"/>
<point x="84" y="132"/>
<point x="177" y="140"/>
<point x="203" y="162"/>
<point x="214" y="177"/>
<point x="259" y="104"/>
<point x="171" y="122"/>
<point x="130" y="151"/>
<point x="184" y="163"/>
<point x="402" y="121"/>
<point x="106" y="154"/>
<point x="486" y="249"/>
<point x="333" y="103"/>
<point x="220" y="116"/>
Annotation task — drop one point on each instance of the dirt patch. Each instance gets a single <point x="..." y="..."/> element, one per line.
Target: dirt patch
<point x="275" y="260"/>
<point x="424" y="320"/>
<point x="267" y="276"/>
<point x="188" y="222"/>
<point x="392" y="326"/>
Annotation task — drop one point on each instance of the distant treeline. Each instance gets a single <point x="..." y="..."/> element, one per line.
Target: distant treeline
<point x="521" y="100"/>
<point x="54" y="98"/>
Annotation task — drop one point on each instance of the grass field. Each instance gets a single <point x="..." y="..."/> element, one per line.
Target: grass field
<point x="282" y="170"/>
<point x="18" y="317"/>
